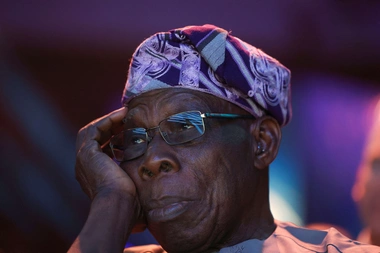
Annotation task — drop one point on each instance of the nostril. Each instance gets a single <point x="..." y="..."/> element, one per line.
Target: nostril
<point x="165" y="167"/>
<point x="147" y="172"/>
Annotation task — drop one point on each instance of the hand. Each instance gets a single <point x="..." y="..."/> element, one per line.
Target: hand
<point x="95" y="171"/>
<point x="115" y="208"/>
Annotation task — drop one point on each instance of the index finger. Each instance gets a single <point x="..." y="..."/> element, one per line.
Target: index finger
<point x="101" y="129"/>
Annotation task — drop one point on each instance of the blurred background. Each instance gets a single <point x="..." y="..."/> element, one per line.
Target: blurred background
<point x="64" y="63"/>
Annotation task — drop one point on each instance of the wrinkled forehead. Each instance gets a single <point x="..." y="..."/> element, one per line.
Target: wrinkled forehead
<point x="169" y="101"/>
<point x="168" y="97"/>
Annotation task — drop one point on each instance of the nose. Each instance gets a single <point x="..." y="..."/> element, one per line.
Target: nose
<point x="158" y="160"/>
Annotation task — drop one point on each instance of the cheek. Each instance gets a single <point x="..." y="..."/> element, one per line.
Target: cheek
<point x="214" y="164"/>
<point x="233" y="135"/>
<point x="233" y="148"/>
<point x="199" y="164"/>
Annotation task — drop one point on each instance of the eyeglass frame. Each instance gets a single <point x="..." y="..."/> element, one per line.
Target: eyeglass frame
<point x="203" y="116"/>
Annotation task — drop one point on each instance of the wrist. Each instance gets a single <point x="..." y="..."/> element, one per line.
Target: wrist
<point x="112" y="216"/>
<point x="119" y="208"/>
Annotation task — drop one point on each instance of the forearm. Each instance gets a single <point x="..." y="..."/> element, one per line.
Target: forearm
<point x="108" y="225"/>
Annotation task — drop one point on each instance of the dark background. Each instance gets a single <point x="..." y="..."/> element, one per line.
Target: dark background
<point x="64" y="63"/>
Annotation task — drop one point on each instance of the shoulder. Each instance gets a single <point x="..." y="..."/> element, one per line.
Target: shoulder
<point x="152" y="248"/>
<point x="330" y="240"/>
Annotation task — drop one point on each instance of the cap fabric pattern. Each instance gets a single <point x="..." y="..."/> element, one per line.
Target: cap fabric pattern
<point x="208" y="59"/>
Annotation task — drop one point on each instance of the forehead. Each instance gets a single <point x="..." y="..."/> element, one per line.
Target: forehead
<point x="165" y="102"/>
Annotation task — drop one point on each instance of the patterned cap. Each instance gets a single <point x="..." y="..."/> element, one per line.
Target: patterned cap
<point x="208" y="59"/>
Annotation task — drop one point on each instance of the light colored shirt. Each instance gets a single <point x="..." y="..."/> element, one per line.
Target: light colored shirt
<point x="287" y="238"/>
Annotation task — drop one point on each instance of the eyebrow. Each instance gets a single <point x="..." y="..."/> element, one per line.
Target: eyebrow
<point x="131" y="116"/>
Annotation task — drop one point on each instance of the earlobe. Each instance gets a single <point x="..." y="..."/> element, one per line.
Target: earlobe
<point x="267" y="134"/>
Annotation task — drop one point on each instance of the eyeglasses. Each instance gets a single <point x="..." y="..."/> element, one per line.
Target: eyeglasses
<point x="176" y="129"/>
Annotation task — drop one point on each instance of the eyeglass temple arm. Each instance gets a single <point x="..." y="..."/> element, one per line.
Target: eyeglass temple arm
<point x="225" y="115"/>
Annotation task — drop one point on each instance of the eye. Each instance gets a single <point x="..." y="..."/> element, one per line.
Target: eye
<point x="182" y="127"/>
<point x="176" y="125"/>
<point x="135" y="136"/>
<point x="186" y="126"/>
<point x="137" y="140"/>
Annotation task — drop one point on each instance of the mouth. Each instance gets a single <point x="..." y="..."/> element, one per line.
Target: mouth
<point x="167" y="211"/>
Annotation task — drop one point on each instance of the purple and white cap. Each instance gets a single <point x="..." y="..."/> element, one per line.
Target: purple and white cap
<point x="208" y="59"/>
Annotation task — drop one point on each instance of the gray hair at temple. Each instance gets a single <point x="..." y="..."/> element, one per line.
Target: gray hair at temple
<point x="208" y="59"/>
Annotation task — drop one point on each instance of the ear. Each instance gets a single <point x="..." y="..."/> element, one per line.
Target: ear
<point x="267" y="137"/>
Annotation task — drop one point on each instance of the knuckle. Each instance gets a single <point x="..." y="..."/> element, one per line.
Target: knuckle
<point x="86" y="129"/>
<point x="82" y="131"/>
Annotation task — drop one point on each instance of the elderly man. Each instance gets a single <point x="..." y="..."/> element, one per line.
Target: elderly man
<point x="367" y="186"/>
<point x="190" y="152"/>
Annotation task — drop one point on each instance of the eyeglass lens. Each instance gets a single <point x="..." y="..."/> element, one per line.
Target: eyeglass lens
<point x="176" y="129"/>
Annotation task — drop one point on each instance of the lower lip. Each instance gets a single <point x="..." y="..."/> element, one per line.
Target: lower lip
<point x="168" y="212"/>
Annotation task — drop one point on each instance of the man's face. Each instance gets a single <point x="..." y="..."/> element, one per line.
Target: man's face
<point x="192" y="194"/>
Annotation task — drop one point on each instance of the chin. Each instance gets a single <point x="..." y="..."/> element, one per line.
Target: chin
<point x="181" y="241"/>
<point x="177" y="236"/>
